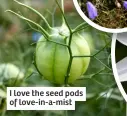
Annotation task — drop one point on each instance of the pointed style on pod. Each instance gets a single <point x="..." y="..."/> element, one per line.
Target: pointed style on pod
<point x="92" y="10"/>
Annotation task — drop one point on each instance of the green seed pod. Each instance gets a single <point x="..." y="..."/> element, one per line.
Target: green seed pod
<point x="10" y="71"/>
<point x="58" y="50"/>
<point x="52" y="59"/>
<point x="9" y="74"/>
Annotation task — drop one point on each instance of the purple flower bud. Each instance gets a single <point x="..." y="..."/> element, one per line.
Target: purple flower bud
<point x="125" y="4"/>
<point x="92" y="11"/>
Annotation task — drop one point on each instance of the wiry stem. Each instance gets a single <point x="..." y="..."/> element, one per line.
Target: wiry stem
<point x="35" y="11"/>
<point x="62" y="6"/>
<point x="95" y="53"/>
<point x="80" y="27"/>
<point x="69" y="44"/>
<point x="33" y="27"/>
<point x="102" y="48"/>
<point x="70" y="61"/>
<point x="65" y="21"/>
<point x="102" y="63"/>
<point x="50" y="41"/>
<point x="30" y="21"/>
<point x="92" y="75"/>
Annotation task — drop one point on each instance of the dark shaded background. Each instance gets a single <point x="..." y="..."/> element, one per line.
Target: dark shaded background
<point x="121" y="52"/>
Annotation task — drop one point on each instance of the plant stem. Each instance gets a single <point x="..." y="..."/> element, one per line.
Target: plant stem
<point x="70" y="39"/>
<point x="33" y="28"/>
<point x="70" y="61"/>
<point x="102" y="63"/>
<point x="30" y="21"/>
<point x="68" y="70"/>
<point x="35" y="11"/>
<point x="58" y="43"/>
<point x="92" y="75"/>
<point x="80" y="27"/>
<point x="102" y="48"/>
<point x="62" y="7"/>
<point x="82" y="56"/>
<point x="65" y="21"/>
<point x="93" y="54"/>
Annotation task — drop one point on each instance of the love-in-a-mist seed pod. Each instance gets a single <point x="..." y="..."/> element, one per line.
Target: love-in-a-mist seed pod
<point x="57" y="51"/>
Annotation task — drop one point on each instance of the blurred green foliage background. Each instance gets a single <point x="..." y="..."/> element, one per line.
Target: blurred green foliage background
<point x="16" y="37"/>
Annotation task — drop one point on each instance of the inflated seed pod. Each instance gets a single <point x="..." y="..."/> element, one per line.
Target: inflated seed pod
<point x="52" y="59"/>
